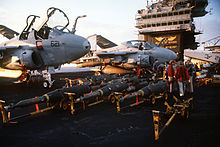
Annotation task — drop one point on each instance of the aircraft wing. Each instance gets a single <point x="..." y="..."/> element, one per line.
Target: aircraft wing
<point x="8" y="33"/>
<point x="113" y="54"/>
<point x="2" y="48"/>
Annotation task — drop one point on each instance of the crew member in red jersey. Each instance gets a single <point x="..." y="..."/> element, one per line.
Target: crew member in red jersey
<point x="182" y="77"/>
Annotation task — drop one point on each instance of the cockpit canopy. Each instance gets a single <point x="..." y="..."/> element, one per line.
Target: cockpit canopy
<point x="56" y="21"/>
<point x="149" y="45"/>
<point x="139" y="44"/>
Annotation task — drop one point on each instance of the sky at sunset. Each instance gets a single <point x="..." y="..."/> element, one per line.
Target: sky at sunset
<point x="114" y="19"/>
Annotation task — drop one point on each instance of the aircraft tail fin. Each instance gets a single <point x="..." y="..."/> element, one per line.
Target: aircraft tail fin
<point x="8" y="33"/>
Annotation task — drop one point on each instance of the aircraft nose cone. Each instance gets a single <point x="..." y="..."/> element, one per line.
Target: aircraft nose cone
<point x="86" y="46"/>
<point x="171" y="54"/>
<point x="174" y="55"/>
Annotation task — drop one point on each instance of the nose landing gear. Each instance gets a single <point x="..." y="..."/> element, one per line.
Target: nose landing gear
<point x="48" y="82"/>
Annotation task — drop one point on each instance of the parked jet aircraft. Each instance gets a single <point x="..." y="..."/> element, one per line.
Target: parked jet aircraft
<point x="203" y="56"/>
<point x="46" y="47"/>
<point x="126" y="57"/>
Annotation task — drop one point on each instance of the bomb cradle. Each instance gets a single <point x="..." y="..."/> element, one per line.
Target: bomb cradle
<point x="149" y="93"/>
<point x="58" y="98"/>
<point x="118" y="85"/>
<point x="81" y="96"/>
<point x="74" y="97"/>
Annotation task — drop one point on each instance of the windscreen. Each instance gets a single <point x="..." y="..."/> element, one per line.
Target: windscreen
<point x="133" y="43"/>
<point x="149" y="45"/>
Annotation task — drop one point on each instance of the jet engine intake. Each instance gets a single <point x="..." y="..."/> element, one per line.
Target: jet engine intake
<point x="31" y="59"/>
<point x="146" y="61"/>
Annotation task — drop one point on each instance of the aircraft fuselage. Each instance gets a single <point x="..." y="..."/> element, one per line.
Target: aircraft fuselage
<point x="35" y="54"/>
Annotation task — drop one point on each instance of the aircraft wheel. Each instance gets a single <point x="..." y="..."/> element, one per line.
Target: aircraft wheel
<point x="46" y="84"/>
<point x="113" y="99"/>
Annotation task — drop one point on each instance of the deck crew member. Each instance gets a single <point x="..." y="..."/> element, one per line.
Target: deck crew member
<point x="191" y="72"/>
<point x="170" y="74"/>
<point x="182" y="76"/>
<point x="155" y="68"/>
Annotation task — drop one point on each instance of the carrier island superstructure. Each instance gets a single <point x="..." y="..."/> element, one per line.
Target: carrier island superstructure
<point x="172" y="20"/>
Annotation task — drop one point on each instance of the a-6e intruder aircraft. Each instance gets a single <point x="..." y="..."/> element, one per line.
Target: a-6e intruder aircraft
<point x="47" y="47"/>
<point x="129" y="56"/>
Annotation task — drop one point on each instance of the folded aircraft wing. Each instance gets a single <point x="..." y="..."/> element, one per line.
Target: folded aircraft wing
<point x="104" y="43"/>
<point x="208" y="56"/>
<point x="8" y="33"/>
